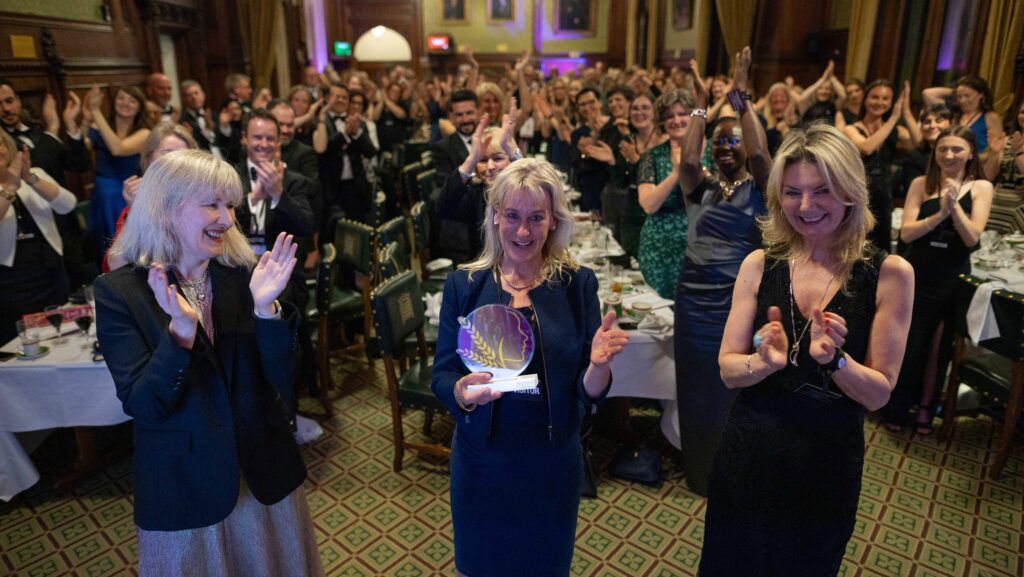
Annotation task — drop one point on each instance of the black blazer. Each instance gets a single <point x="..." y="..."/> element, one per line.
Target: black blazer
<point x="460" y="208"/>
<point x="54" y="157"/>
<point x="189" y="118"/>
<point x="293" y="214"/>
<point x="202" y="417"/>
<point x="302" y="159"/>
<point x="448" y="155"/>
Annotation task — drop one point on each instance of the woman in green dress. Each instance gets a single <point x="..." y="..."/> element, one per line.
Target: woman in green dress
<point x="663" y="237"/>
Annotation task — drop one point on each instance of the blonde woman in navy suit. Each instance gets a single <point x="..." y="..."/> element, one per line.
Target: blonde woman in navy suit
<point x="203" y="356"/>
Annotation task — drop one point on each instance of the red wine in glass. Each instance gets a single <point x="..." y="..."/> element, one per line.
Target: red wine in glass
<point x="84" y="322"/>
<point x="55" y="317"/>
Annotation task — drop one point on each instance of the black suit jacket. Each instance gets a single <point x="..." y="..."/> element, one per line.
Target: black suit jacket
<point x="301" y="158"/>
<point x="189" y="118"/>
<point x="448" y="155"/>
<point x="339" y="144"/>
<point x="54" y="157"/>
<point x="292" y="215"/>
<point x="202" y="416"/>
<point x="460" y="210"/>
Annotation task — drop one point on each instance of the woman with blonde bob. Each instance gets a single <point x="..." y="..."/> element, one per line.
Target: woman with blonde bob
<point x="203" y="356"/>
<point x="517" y="463"/>
<point x="815" y="338"/>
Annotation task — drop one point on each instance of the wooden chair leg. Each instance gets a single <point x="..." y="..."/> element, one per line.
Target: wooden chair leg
<point x="396" y="414"/>
<point x="428" y="420"/>
<point x="952" y="388"/>
<point x="323" y="356"/>
<point x="1009" y="421"/>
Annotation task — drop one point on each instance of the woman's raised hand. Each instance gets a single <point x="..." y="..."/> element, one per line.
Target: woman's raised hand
<point x="608" y="341"/>
<point x="828" y="333"/>
<point x="184" y="318"/>
<point x="741" y="70"/>
<point x="700" y="92"/>
<point x="508" y="125"/>
<point x="94" y="99"/>
<point x="272" y="273"/>
<point x="773" y="345"/>
<point x="478" y="144"/>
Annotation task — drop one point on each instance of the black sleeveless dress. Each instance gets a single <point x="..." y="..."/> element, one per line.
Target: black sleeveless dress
<point x="786" y="479"/>
<point x="938" y="258"/>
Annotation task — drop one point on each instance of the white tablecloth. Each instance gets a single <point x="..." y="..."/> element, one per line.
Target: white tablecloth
<point x="64" y="388"/>
<point x="646" y="369"/>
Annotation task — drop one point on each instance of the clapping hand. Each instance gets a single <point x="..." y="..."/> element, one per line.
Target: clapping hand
<point x="700" y="91"/>
<point x="130" y="188"/>
<point x="772" y="342"/>
<point x="828" y="333"/>
<point x="50" y="117"/>
<point x="608" y="341"/>
<point x="184" y="318"/>
<point x="508" y="136"/>
<point x="272" y="273"/>
<point x="741" y="72"/>
<point x="72" y="108"/>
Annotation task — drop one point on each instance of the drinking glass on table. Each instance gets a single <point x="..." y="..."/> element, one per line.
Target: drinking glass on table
<point x="29" y="337"/>
<point x="84" y="322"/>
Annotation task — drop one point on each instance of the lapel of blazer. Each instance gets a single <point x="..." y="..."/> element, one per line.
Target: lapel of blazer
<point x="225" y="314"/>
<point x="203" y="341"/>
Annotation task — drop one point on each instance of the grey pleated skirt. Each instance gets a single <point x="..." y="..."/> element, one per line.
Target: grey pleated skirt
<point x="255" y="540"/>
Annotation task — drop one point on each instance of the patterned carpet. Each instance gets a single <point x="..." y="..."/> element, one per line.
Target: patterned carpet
<point x="927" y="508"/>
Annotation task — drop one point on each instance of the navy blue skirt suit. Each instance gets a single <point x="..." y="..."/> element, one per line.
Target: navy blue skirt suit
<point x="517" y="463"/>
<point x="203" y="417"/>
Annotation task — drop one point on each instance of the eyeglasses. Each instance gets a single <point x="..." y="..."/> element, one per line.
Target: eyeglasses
<point x="727" y="141"/>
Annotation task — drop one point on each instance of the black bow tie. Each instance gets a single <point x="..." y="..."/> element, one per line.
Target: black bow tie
<point x="27" y="132"/>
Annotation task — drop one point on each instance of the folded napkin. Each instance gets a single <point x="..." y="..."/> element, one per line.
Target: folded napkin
<point x="432" y="303"/>
<point x="981" y="320"/>
<point x="657" y="326"/>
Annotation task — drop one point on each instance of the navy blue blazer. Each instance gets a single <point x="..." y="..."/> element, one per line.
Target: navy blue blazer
<point x="202" y="416"/>
<point x="568" y="315"/>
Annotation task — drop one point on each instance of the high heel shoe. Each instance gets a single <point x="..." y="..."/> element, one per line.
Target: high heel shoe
<point x="922" y="427"/>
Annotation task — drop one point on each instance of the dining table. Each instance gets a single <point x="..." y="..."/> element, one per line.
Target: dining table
<point x="646" y="367"/>
<point x="68" y="387"/>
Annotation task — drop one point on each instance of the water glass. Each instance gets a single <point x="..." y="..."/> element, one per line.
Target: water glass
<point x="29" y="336"/>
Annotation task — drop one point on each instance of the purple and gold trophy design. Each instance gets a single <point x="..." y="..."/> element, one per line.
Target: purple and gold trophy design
<point x="497" y="339"/>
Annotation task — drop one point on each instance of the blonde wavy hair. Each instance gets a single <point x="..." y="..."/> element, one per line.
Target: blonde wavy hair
<point x="497" y="92"/>
<point x="840" y="164"/>
<point x="151" y="232"/>
<point x="538" y="179"/>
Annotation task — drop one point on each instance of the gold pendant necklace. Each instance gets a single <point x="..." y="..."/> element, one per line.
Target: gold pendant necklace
<point x="528" y="285"/>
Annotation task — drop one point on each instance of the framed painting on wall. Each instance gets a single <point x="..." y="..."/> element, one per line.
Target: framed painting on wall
<point x="576" y="17"/>
<point x="454" y="12"/>
<point x="500" y="11"/>
<point x="682" y="14"/>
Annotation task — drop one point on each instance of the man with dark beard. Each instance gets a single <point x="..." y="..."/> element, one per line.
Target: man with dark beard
<point x="450" y="152"/>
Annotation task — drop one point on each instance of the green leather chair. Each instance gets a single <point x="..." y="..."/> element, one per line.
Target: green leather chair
<point x="398" y="313"/>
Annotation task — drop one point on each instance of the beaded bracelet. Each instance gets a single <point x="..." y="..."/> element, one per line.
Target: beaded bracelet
<point x="462" y="402"/>
<point x="738" y="100"/>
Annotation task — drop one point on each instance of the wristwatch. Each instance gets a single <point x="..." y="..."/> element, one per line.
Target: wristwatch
<point x="32" y="179"/>
<point x="6" y="193"/>
<point x="837" y="363"/>
<point x="701" y="112"/>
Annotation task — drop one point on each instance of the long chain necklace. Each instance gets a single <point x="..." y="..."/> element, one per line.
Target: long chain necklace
<point x="794" y="350"/>
<point x="529" y="285"/>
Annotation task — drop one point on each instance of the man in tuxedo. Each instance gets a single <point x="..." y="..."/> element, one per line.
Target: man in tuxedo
<point x="277" y="199"/>
<point x="343" y="143"/>
<point x="48" y="152"/>
<point x="311" y="80"/>
<point x="239" y="87"/>
<point x="158" y="91"/>
<point x="295" y="155"/>
<point x="452" y="151"/>
<point x="199" y="119"/>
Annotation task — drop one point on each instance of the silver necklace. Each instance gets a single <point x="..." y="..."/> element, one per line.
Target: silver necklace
<point x="195" y="291"/>
<point x="794" y="350"/>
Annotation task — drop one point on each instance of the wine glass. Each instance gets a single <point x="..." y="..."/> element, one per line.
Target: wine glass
<point x="84" y="322"/>
<point x="55" y="318"/>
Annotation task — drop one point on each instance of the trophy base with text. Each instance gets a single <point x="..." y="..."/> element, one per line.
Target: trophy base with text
<point x="508" y="384"/>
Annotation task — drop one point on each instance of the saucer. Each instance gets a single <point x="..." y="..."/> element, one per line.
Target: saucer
<point x="43" y="351"/>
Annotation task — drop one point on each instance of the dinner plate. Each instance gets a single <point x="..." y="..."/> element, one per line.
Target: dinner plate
<point x="43" y="351"/>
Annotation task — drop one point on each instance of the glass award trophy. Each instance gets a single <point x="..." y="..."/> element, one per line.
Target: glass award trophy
<point x="497" y="339"/>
